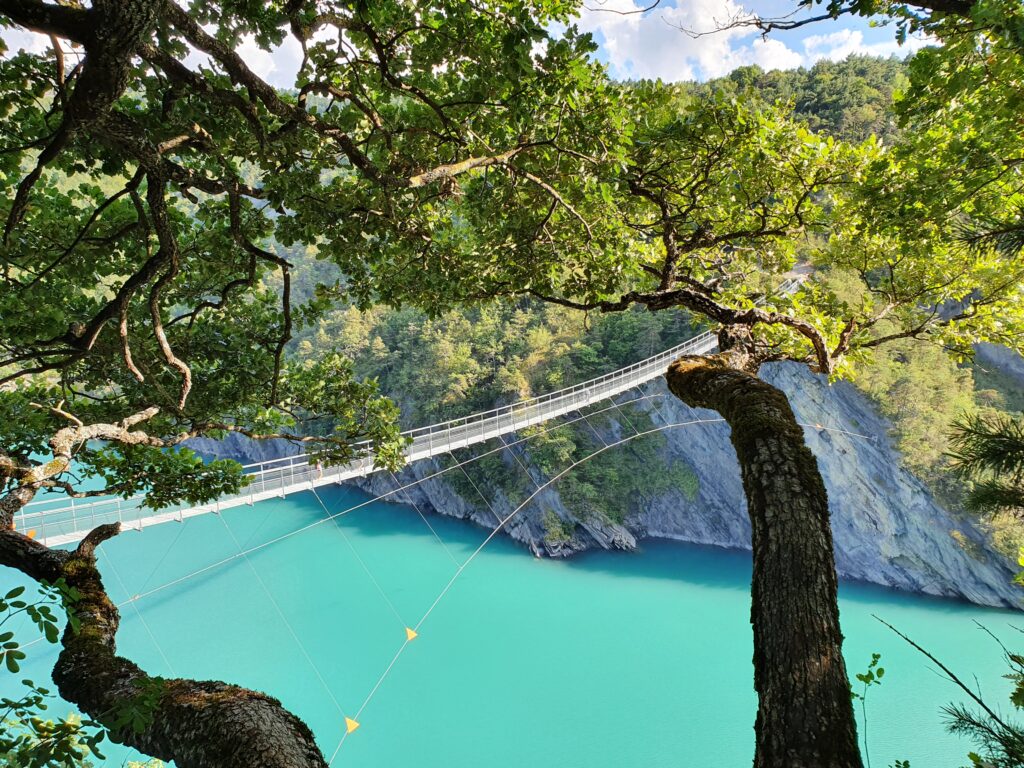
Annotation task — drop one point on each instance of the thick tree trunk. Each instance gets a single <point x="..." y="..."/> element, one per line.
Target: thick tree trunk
<point x="196" y="724"/>
<point x="805" y="713"/>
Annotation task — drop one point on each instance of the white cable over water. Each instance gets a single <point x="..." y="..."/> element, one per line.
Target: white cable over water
<point x="284" y="619"/>
<point x="540" y="488"/>
<point x="375" y="499"/>
<point x="451" y="582"/>
<point x="142" y="593"/>
<point x="414" y="505"/>
<point x="502" y="523"/>
<point x="653" y="398"/>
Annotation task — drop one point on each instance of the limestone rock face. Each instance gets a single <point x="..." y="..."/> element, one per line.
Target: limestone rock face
<point x="887" y="528"/>
<point x="242" y="449"/>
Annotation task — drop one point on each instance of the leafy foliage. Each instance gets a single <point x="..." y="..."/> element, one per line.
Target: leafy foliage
<point x="606" y="488"/>
<point x="868" y="679"/>
<point x="987" y="451"/>
<point x="476" y="358"/>
<point x="850" y="99"/>
<point x="142" y="248"/>
<point x="155" y="183"/>
<point x="709" y="202"/>
<point x="482" y="356"/>
<point x="556" y="530"/>
<point x="438" y="154"/>
<point x="136" y="713"/>
<point x="922" y="391"/>
<point x="1000" y="740"/>
<point x="28" y="739"/>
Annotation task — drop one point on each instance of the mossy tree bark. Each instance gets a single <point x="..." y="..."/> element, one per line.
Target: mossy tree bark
<point x="198" y="724"/>
<point x="805" y="714"/>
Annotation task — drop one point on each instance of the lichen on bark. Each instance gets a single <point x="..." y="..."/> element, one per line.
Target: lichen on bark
<point x="197" y="724"/>
<point x="805" y="714"/>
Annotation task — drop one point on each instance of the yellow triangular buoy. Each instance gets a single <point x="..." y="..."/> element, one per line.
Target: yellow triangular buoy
<point x="410" y="634"/>
<point x="350" y="725"/>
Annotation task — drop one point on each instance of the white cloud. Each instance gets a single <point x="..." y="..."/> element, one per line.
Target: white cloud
<point x="655" y="44"/>
<point x="21" y="39"/>
<point x="836" y="46"/>
<point x="771" y="54"/>
<point x="279" y="66"/>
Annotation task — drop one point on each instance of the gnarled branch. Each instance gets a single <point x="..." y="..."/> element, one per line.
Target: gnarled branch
<point x="198" y="724"/>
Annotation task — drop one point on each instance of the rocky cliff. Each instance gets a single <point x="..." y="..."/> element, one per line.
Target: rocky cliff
<point x="1003" y="359"/>
<point x="888" y="530"/>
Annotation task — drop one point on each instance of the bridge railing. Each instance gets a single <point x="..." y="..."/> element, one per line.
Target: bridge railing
<point x="517" y="414"/>
<point x="290" y="473"/>
<point x="286" y="476"/>
<point x="280" y="476"/>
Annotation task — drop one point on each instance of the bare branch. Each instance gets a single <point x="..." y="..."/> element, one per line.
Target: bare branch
<point x="650" y="7"/>
<point x="169" y="252"/>
<point x="702" y="303"/>
<point x="126" y="351"/>
<point x="454" y="169"/>
<point x="947" y="671"/>
<point x="95" y="537"/>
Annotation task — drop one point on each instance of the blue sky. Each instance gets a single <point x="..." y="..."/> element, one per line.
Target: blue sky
<point x="653" y="44"/>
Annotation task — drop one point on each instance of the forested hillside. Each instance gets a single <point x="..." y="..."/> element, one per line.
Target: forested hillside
<point x="464" y="361"/>
<point x="848" y="99"/>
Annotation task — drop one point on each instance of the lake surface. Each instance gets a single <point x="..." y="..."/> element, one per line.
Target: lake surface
<point x="611" y="659"/>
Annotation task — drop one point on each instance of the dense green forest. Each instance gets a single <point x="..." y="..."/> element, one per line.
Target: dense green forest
<point x="468" y="360"/>
<point x="849" y="99"/>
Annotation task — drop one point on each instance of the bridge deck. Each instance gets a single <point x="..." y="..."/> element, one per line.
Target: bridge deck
<point x="57" y="523"/>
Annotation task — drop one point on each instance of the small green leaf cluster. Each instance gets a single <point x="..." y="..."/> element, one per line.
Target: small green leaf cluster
<point x="1000" y="740"/>
<point x="871" y="676"/>
<point x="136" y="712"/>
<point x="40" y="613"/>
<point x="30" y="740"/>
<point x="556" y="530"/>
<point x="613" y="484"/>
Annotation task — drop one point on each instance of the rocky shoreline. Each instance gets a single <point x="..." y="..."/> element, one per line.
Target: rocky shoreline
<point x="887" y="528"/>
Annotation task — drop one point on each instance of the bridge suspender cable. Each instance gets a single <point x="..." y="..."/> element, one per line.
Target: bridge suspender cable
<point x="275" y="478"/>
<point x="380" y="497"/>
<point x="352" y="723"/>
<point x="414" y="632"/>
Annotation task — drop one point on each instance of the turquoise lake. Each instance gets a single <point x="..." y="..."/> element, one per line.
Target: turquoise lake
<point x="611" y="659"/>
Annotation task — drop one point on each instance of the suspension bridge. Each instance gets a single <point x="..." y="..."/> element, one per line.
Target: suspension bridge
<point x="60" y="523"/>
